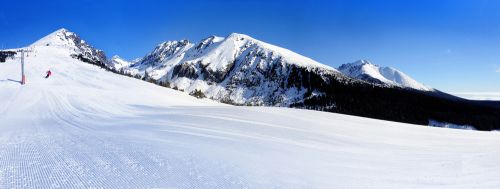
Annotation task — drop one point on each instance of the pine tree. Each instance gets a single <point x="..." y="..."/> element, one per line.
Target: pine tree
<point x="198" y="94"/>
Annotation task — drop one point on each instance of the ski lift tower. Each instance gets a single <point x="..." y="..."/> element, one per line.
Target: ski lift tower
<point x="23" y="77"/>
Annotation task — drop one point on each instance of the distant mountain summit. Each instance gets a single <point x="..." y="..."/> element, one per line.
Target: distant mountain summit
<point x="118" y="63"/>
<point x="78" y="48"/>
<point x="60" y="38"/>
<point x="366" y="71"/>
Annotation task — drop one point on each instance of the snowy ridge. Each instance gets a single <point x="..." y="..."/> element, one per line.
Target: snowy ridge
<point x="369" y="72"/>
<point x="237" y="69"/>
<point x="118" y="63"/>
<point x="217" y="53"/>
<point x="289" y="56"/>
<point x="60" y="38"/>
<point x="78" y="48"/>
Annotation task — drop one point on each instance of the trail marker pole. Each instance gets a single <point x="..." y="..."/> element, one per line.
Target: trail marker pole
<point x="23" y="77"/>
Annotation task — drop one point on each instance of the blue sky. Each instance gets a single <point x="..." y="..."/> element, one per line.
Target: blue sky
<point x="452" y="45"/>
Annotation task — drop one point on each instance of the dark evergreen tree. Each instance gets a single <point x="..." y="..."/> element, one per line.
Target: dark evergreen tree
<point x="198" y="94"/>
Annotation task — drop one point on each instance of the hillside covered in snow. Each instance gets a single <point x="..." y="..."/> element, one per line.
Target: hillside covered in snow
<point x="86" y="127"/>
<point x="241" y="70"/>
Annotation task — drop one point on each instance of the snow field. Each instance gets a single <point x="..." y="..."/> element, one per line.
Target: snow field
<point x="88" y="128"/>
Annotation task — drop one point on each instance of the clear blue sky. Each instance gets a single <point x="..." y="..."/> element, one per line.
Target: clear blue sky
<point x="453" y="45"/>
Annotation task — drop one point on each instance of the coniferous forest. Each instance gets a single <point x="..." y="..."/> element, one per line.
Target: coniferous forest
<point x="5" y="54"/>
<point x="396" y="104"/>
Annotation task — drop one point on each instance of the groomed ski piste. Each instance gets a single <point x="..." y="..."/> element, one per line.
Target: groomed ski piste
<point x="85" y="127"/>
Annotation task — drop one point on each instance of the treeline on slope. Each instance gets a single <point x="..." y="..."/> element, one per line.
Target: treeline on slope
<point x="5" y="54"/>
<point x="495" y="104"/>
<point x="146" y="77"/>
<point x="90" y="60"/>
<point x="394" y="104"/>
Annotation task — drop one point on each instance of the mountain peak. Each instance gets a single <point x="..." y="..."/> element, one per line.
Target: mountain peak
<point x="62" y="30"/>
<point x="70" y="42"/>
<point x="361" y="62"/>
<point x="238" y="36"/>
<point x="116" y="57"/>
<point x="243" y="41"/>
<point x="367" y="71"/>
<point x="118" y="62"/>
<point x="60" y="38"/>
<point x="170" y="44"/>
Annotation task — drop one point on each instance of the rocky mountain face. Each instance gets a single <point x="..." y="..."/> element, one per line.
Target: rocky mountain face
<point x="237" y="69"/>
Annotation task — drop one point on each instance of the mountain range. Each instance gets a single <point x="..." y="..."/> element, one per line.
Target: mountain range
<point x="241" y="70"/>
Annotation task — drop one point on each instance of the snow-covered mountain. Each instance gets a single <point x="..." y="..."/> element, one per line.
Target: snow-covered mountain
<point x="366" y="71"/>
<point x="118" y="63"/>
<point x="77" y="47"/>
<point x="244" y="71"/>
<point x="236" y="69"/>
<point x="85" y="127"/>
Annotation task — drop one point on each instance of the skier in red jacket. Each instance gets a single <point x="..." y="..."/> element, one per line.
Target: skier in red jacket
<point x="48" y="74"/>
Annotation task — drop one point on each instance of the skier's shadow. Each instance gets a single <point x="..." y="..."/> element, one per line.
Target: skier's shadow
<point x="10" y="80"/>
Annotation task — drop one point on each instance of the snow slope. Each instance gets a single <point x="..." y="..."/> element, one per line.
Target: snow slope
<point x="365" y="70"/>
<point x="88" y="128"/>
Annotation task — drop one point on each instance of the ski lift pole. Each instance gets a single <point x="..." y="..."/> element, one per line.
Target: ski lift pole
<point x="23" y="77"/>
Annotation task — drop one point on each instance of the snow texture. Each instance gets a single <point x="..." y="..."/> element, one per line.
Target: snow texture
<point x="85" y="127"/>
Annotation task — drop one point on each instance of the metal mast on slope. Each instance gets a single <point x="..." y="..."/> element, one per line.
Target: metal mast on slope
<point x="23" y="77"/>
